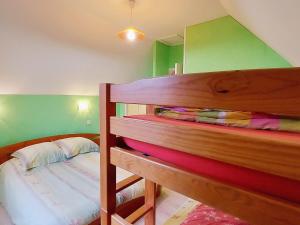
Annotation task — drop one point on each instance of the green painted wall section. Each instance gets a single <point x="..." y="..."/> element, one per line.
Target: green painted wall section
<point x="165" y="57"/>
<point x="224" y="44"/>
<point x="175" y="55"/>
<point x="160" y="59"/>
<point x="25" y="117"/>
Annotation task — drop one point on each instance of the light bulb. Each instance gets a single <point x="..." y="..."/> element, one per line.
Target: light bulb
<point x="131" y="35"/>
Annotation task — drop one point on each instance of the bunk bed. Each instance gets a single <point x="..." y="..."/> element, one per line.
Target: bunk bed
<point x="269" y="154"/>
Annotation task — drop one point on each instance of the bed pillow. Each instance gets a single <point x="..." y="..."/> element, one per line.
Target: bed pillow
<point x="77" y="145"/>
<point x="39" y="155"/>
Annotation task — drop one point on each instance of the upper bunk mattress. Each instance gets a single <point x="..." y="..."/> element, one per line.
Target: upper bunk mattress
<point x="249" y="179"/>
<point x="62" y="193"/>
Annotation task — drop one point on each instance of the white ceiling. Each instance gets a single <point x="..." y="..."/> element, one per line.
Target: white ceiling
<point x="95" y="23"/>
<point x="276" y="22"/>
<point x="69" y="46"/>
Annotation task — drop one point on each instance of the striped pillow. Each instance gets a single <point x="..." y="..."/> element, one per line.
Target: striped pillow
<point x="39" y="155"/>
<point x="76" y="145"/>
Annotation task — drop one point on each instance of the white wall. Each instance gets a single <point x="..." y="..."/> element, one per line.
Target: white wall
<point x="34" y="64"/>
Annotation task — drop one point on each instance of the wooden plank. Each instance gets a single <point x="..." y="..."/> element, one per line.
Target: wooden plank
<point x="107" y="170"/>
<point x="127" y="182"/>
<point x="255" y="208"/>
<point x="124" y="210"/>
<point x="267" y="153"/>
<point x="262" y="90"/>
<point x="139" y="213"/>
<point x="150" y="200"/>
<point x="118" y="220"/>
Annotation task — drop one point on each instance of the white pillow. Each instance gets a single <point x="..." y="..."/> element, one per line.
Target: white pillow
<point x="39" y="155"/>
<point x="76" y="145"/>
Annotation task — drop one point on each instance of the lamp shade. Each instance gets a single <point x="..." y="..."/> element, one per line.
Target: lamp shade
<point x="131" y="34"/>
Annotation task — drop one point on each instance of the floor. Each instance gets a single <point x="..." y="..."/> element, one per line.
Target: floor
<point x="167" y="204"/>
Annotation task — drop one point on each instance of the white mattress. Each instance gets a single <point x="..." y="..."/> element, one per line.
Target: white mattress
<point x="64" y="193"/>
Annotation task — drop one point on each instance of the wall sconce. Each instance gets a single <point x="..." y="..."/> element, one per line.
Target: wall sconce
<point x="83" y="106"/>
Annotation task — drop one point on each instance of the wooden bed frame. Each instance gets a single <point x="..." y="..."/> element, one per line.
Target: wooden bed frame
<point x="265" y="90"/>
<point x="123" y="209"/>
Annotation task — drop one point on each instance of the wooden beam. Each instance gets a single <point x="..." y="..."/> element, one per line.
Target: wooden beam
<point x="243" y="147"/>
<point x="139" y="213"/>
<point x="107" y="170"/>
<point x="150" y="200"/>
<point x="260" y="90"/>
<point x="127" y="182"/>
<point x="258" y="209"/>
<point x="118" y="220"/>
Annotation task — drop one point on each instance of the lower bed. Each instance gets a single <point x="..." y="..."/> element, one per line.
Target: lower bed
<point x="246" y="178"/>
<point x="64" y="193"/>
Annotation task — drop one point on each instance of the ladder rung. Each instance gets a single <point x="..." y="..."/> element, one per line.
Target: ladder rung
<point x="136" y="215"/>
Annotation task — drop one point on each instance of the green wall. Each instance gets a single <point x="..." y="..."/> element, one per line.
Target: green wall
<point x="165" y="57"/>
<point x="224" y="44"/>
<point x="25" y="117"/>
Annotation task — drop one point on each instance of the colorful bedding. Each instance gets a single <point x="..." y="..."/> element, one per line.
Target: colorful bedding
<point x="252" y="120"/>
<point x="64" y="193"/>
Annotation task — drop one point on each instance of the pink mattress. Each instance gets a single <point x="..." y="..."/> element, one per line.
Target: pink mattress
<point x="250" y="179"/>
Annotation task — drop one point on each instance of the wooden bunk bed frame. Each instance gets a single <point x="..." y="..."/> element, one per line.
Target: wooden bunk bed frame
<point x="123" y="209"/>
<point x="264" y="90"/>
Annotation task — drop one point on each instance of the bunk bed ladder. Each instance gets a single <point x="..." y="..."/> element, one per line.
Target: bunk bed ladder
<point x="108" y="212"/>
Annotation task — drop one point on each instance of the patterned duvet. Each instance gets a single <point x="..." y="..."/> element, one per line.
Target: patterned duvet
<point x="64" y="193"/>
<point x="253" y="120"/>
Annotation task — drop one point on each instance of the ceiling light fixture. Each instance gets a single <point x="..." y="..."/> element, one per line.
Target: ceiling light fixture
<point x="131" y="34"/>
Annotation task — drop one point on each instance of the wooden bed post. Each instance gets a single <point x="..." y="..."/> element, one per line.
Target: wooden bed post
<point x="107" y="170"/>
<point x="150" y="188"/>
<point x="150" y="197"/>
<point x="150" y="109"/>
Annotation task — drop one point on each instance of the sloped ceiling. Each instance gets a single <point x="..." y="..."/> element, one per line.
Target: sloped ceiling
<point x="276" y="22"/>
<point x="69" y="46"/>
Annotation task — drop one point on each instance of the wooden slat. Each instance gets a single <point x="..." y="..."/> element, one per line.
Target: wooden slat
<point x="139" y="213"/>
<point x="118" y="220"/>
<point x="257" y="209"/>
<point x="127" y="182"/>
<point x="263" y="90"/>
<point x="267" y="153"/>
<point x="107" y="170"/>
<point x="129" y="207"/>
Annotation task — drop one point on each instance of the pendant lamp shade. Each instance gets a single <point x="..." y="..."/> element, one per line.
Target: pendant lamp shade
<point x="131" y="33"/>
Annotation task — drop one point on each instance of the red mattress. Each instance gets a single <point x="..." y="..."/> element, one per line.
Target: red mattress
<point x="250" y="179"/>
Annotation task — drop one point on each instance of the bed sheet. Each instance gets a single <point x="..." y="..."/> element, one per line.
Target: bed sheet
<point x="64" y="193"/>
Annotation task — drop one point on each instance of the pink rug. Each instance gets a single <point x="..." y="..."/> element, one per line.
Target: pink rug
<point x="205" y="215"/>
